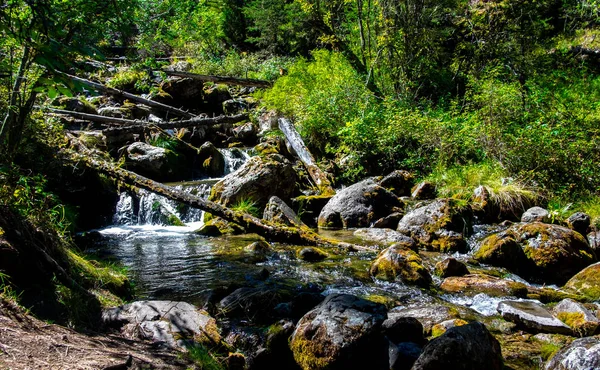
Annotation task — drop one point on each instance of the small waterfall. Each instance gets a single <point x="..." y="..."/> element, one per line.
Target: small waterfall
<point x="234" y="159"/>
<point x="146" y="208"/>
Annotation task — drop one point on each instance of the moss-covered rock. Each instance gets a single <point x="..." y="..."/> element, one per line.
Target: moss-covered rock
<point x="160" y="164"/>
<point x="400" y="262"/>
<point x="586" y="282"/>
<point x="217" y="226"/>
<point x="441" y="328"/>
<point x="450" y="267"/>
<point x="310" y="254"/>
<point x="398" y="182"/>
<point x="578" y="317"/>
<point x="210" y="160"/>
<point x="502" y="249"/>
<point x="474" y="284"/>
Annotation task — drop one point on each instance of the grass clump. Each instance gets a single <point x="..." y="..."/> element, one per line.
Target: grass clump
<point x="202" y="358"/>
<point x="247" y="206"/>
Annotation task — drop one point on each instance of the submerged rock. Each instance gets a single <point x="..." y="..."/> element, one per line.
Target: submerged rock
<point x="577" y="317"/>
<point x="343" y="332"/>
<point x="358" y="206"/>
<point x="468" y="347"/>
<point x="474" y="284"/>
<point x="399" y="262"/>
<point x="531" y="316"/>
<point x="581" y="354"/>
<point x="439" y="225"/>
<point x="175" y="324"/>
<point x="586" y="282"/>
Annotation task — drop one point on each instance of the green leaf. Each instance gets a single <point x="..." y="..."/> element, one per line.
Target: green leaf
<point x="65" y="91"/>
<point x="52" y="92"/>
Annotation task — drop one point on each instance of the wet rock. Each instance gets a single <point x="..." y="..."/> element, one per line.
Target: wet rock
<point x="468" y="347"/>
<point x="533" y="317"/>
<point x="438" y="225"/>
<point x="579" y="222"/>
<point x="586" y="282"/>
<point x="277" y="211"/>
<point x="218" y="226"/>
<point x="403" y="355"/>
<point x="157" y="163"/>
<point x="441" y="328"/>
<point x="311" y="254"/>
<point x="555" y="253"/>
<point x="257" y="180"/>
<point x="583" y="322"/>
<point x="211" y="160"/>
<point x="389" y="222"/>
<point x="399" y="262"/>
<point x="536" y="214"/>
<point x="474" y="284"/>
<point x="423" y="191"/>
<point x="581" y="354"/>
<point x="385" y="236"/>
<point x="451" y="267"/>
<point x="358" y="206"/>
<point x="428" y="315"/>
<point x="400" y="329"/>
<point x="260" y="247"/>
<point x="398" y="182"/>
<point x="308" y="207"/>
<point x="341" y="333"/>
<point x="176" y="324"/>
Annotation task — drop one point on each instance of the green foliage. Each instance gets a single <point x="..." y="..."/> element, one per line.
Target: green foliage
<point x="131" y="80"/>
<point x="202" y="358"/>
<point x="247" y="206"/>
<point x="260" y="66"/>
<point x="548" y="350"/>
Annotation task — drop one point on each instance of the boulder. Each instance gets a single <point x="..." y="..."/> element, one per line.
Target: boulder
<point x="423" y="191"/>
<point x="310" y="254"/>
<point x="401" y="263"/>
<point x="157" y="163"/>
<point x="175" y="324"/>
<point x="450" y="267"/>
<point x="389" y="222"/>
<point x="215" y="96"/>
<point x="441" y="328"/>
<point x="76" y="105"/>
<point x="439" y="225"/>
<point x="400" y="329"/>
<point x="428" y="315"/>
<point x="467" y="347"/>
<point x="343" y="332"/>
<point x="581" y="354"/>
<point x="211" y="160"/>
<point x="260" y="250"/>
<point x="474" y="284"/>
<point x="245" y="133"/>
<point x="586" y="282"/>
<point x="384" y="236"/>
<point x="277" y="211"/>
<point x="257" y="180"/>
<point x="403" y="355"/>
<point x="273" y="145"/>
<point x="217" y="226"/>
<point x="358" y="206"/>
<point x="536" y="214"/>
<point x="532" y="317"/>
<point x="583" y="322"/>
<point x="579" y="222"/>
<point x="551" y="253"/>
<point x="398" y="182"/>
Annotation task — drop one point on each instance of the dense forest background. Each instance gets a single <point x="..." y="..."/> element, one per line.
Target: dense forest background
<point x="504" y="93"/>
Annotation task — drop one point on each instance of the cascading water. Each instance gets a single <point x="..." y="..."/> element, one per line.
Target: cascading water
<point x="234" y="158"/>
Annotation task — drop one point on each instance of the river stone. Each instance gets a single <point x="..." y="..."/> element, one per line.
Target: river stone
<point x="536" y="214"/>
<point x="310" y="254"/>
<point x="450" y="267"/>
<point x="398" y="182"/>
<point x="581" y="354"/>
<point x="428" y="315"/>
<point x="389" y="222"/>
<point x="579" y="222"/>
<point x="176" y="324"/>
<point x="211" y="160"/>
<point x="400" y="329"/>
<point x="467" y="347"/>
<point x="532" y="316"/>
<point x="400" y="263"/>
<point x="257" y="180"/>
<point x="385" y="236"/>
<point x="358" y="205"/>
<point x="555" y="253"/>
<point x="279" y="212"/>
<point x="474" y="284"/>
<point x="157" y="163"/>
<point x="424" y="190"/>
<point x="245" y="133"/>
<point x="430" y="225"/>
<point x="583" y="322"/>
<point x="403" y="355"/>
<point x="343" y="332"/>
<point x="586" y="282"/>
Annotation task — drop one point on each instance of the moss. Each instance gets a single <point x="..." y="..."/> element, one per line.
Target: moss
<point x="440" y="329"/>
<point x="173" y="220"/>
<point x="548" y="350"/>
<point x="403" y="263"/>
<point x="386" y="301"/>
<point x="309" y="355"/>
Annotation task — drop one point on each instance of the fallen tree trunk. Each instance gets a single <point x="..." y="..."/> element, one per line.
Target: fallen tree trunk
<point x="221" y="79"/>
<point x="271" y="231"/>
<point x="120" y="93"/>
<point x="97" y="118"/>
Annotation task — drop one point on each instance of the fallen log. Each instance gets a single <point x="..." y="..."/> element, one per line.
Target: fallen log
<point x="97" y="118"/>
<point x="221" y="79"/>
<point x="198" y="121"/>
<point x="269" y="230"/>
<point x="120" y="93"/>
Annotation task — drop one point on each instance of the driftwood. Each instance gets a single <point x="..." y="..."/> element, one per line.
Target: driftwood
<point x="221" y="79"/>
<point x="137" y="127"/>
<point x="269" y="230"/>
<point x="120" y="93"/>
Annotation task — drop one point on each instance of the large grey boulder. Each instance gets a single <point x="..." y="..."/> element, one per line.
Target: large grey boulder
<point x="257" y="180"/>
<point x="342" y="332"/>
<point x="581" y="354"/>
<point x="439" y="225"/>
<point x="532" y="316"/>
<point x="577" y="316"/>
<point x="174" y="324"/>
<point x="467" y="347"/>
<point x="157" y="163"/>
<point x="358" y="206"/>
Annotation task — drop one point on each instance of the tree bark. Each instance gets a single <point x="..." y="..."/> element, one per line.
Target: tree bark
<point x="221" y="79"/>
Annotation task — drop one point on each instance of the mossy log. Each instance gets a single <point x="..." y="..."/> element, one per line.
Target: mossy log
<point x="271" y="231"/>
<point x="120" y="93"/>
<point x="221" y="79"/>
